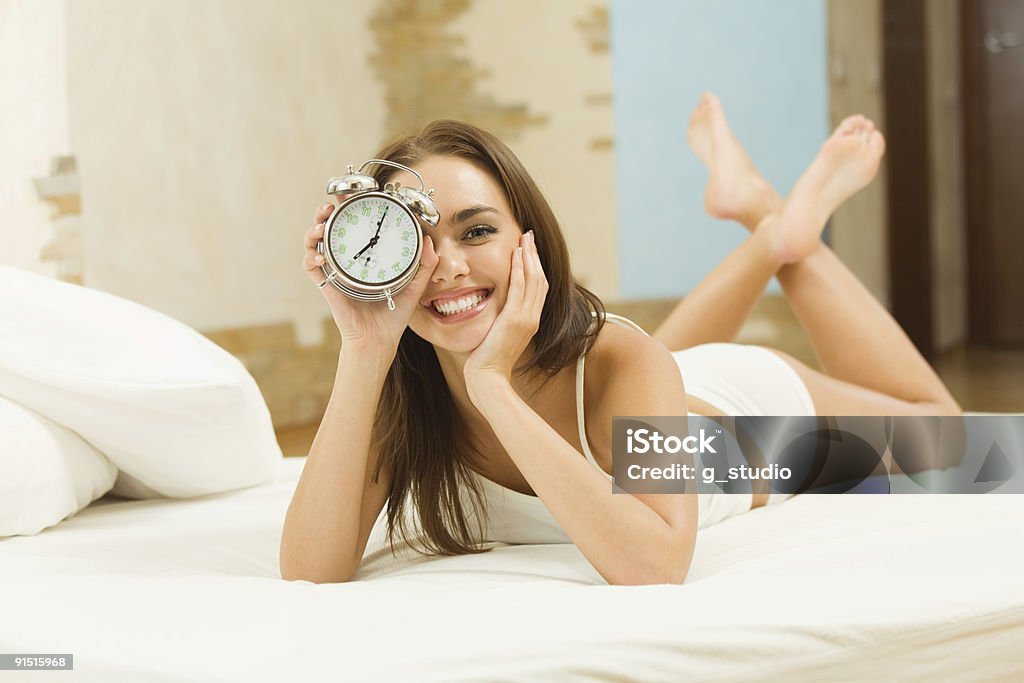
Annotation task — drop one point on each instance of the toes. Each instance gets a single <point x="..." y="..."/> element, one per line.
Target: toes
<point x="867" y="130"/>
<point x="708" y="100"/>
<point x="847" y="125"/>
<point x="877" y="141"/>
<point x="857" y="125"/>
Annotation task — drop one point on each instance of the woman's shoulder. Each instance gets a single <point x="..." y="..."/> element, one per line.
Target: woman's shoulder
<point x="618" y="345"/>
<point x="623" y="359"/>
<point x="627" y="373"/>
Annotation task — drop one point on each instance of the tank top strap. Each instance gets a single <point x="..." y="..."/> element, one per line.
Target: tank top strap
<point x="580" y="372"/>
<point x="623" y="321"/>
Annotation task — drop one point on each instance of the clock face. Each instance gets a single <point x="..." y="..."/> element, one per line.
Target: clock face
<point x="373" y="239"/>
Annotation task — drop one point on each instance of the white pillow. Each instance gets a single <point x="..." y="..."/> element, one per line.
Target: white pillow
<point x="47" y="472"/>
<point x="178" y="415"/>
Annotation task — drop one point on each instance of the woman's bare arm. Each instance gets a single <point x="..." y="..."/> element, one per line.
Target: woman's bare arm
<point x="629" y="539"/>
<point x="335" y="503"/>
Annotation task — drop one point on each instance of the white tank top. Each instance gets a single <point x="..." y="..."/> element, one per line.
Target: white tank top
<point x="516" y="517"/>
<point x="735" y="378"/>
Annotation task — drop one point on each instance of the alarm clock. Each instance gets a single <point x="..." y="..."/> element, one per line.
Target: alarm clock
<point x="373" y="240"/>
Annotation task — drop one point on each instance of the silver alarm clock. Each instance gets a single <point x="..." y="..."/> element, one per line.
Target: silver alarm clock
<point x="373" y="241"/>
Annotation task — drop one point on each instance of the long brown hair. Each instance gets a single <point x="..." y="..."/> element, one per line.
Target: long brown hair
<point x="418" y="432"/>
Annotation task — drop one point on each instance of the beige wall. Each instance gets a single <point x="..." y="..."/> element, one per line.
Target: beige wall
<point x="859" y="229"/>
<point x="572" y="88"/>
<point x="33" y="125"/>
<point x="205" y="132"/>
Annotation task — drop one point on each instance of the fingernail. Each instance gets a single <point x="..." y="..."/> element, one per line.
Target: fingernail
<point x="324" y="207"/>
<point x="319" y="259"/>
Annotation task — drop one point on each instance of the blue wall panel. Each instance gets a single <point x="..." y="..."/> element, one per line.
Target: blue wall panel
<point x="766" y="61"/>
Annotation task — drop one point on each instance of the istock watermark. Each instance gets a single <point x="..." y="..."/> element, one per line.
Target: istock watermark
<point x="824" y="454"/>
<point x="651" y="441"/>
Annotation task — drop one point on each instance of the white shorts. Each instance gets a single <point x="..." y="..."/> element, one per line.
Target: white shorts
<point x="743" y="380"/>
<point x="740" y="380"/>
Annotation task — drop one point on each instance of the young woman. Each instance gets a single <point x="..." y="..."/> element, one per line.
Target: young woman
<point x="465" y="409"/>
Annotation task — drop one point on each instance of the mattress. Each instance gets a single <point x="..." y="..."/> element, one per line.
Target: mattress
<point x="850" y="588"/>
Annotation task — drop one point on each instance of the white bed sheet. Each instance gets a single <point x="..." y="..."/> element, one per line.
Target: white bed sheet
<point x="908" y="588"/>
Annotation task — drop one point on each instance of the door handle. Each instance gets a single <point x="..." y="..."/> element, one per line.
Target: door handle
<point x="999" y="41"/>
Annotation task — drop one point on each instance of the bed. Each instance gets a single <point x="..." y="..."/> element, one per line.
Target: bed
<point x="142" y="496"/>
<point x="848" y="588"/>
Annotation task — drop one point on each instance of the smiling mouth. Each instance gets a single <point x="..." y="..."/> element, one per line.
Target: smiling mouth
<point x="454" y="307"/>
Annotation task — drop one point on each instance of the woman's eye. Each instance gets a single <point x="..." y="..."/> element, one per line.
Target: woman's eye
<point x="478" y="231"/>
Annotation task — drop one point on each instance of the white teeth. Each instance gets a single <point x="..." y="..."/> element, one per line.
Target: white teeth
<point x="459" y="305"/>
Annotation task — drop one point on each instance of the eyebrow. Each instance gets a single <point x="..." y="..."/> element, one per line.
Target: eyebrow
<point x="465" y="214"/>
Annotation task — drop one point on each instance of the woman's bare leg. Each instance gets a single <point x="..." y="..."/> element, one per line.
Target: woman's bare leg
<point x="737" y="191"/>
<point x="716" y="310"/>
<point x="858" y="343"/>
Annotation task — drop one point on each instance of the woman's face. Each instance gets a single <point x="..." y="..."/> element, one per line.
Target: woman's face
<point x="474" y="241"/>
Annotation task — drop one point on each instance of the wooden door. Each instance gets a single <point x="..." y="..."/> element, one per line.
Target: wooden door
<point x="905" y="71"/>
<point x="993" y="50"/>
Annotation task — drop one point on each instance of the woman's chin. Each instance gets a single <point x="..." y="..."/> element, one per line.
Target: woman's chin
<point x="462" y="340"/>
<point x="464" y="337"/>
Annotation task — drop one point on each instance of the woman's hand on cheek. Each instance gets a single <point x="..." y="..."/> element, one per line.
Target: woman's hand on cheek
<point x="518" y="321"/>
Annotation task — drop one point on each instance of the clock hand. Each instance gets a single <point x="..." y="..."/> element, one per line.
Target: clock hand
<point x="373" y="242"/>
<point x="376" y="235"/>
<point x="381" y="221"/>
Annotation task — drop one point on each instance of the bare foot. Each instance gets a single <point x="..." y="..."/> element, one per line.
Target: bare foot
<point x="736" y="190"/>
<point x="846" y="164"/>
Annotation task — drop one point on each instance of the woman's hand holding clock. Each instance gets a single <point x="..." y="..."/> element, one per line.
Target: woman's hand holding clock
<point x="367" y="326"/>
<point x="517" y="323"/>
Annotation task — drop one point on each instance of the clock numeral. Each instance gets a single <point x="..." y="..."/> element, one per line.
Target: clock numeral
<point x="363" y="273"/>
<point x="365" y="209"/>
<point x="396" y="267"/>
<point x="406" y="251"/>
<point x="342" y="249"/>
<point x="407" y="235"/>
<point x="351" y="218"/>
<point x="381" y="273"/>
<point x="341" y="232"/>
<point x="398" y="220"/>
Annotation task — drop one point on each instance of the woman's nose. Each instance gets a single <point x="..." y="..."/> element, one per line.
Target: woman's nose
<point x="451" y="262"/>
